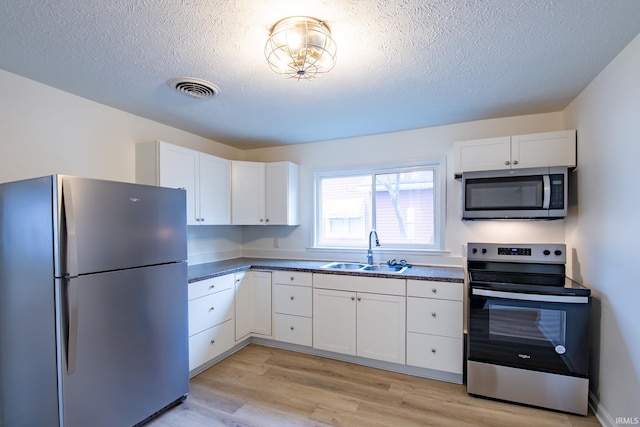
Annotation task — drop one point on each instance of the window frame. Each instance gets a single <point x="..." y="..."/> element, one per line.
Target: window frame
<point x="437" y="165"/>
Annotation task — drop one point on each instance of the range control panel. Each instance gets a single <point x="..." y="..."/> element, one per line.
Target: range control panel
<point x="554" y="253"/>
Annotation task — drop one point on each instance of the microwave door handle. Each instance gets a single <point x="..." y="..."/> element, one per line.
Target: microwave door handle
<point x="546" y="192"/>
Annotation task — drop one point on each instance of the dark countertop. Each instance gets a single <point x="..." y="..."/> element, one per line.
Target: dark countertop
<point x="199" y="272"/>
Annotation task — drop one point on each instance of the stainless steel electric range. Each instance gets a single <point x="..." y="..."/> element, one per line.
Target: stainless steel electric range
<point x="528" y="331"/>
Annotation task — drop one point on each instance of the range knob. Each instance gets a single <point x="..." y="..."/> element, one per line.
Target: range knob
<point x="546" y="252"/>
<point x="474" y="250"/>
<point x="484" y="251"/>
<point x="558" y="252"/>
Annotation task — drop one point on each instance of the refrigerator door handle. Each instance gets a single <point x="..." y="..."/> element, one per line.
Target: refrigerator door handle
<point x="70" y="226"/>
<point x="72" y="299"/>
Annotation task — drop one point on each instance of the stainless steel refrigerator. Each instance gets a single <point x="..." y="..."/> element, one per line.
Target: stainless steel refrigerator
<point x="93" y="302"/>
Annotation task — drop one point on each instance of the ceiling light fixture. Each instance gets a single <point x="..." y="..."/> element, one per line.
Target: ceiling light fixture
<point x="300" y="47"/>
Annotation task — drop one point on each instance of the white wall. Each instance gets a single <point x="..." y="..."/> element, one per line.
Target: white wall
<point x="45" y="131"/>
<point x="398" y="147"/>
<point x="603" y="229"/>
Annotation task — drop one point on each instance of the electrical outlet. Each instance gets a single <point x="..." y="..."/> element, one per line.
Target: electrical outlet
<point x="463" y="250"/>
<point x="275" y="242"/>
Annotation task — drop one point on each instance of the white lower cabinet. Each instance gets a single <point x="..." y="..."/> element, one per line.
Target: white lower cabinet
<point x="434" y="325"/>
<point x="350" y="321"/>
<point x="253" y="304"/>
<point x="211" y="312"/>
<point x="292" y="303"/>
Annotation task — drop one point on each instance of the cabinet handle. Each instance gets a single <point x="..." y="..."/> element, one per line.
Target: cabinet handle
<point x="292" y="278"/>
<point x="433" y="315"/>
<point x="291" y="298"/>
<point x="202" y="219"/>
<point x="507" y="163"/>
<point x="292" y="328"/>
<point x="213" y="341"/>
<point x="515" y="162"/>
<point x="267" y="220"/>
<point x="211" y="309"/>
<point x="261" y="220"/>
<point x="353" y="298"/>
<point x="433" y="350"/>
<point x="359" y="299"/>
<point x="434" y="290"/>
<point x="212" y="286"/>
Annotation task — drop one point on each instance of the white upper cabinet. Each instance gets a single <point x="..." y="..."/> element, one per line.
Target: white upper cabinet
<point x="519" y="151"/>
<point x="205" y="178"/>
<point x="264" y="193"/>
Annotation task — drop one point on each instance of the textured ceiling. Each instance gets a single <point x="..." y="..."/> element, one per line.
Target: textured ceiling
<point x="402" y="64"/>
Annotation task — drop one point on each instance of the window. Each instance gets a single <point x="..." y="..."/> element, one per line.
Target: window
<point x="404" y="204"/>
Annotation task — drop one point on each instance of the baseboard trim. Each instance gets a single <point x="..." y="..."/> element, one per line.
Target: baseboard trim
<point x="600" y="412"/>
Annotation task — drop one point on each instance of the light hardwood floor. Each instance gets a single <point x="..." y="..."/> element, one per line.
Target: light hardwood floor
<point x="264" y="386"/>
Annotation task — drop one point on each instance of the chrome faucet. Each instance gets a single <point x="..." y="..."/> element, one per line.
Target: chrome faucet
<point x="370" y="252"/>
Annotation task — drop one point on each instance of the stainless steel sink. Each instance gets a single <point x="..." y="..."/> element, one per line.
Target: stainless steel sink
<point x="344" y="266"/>
<point x="356" y="266"/>
<point x="382" y="268"/>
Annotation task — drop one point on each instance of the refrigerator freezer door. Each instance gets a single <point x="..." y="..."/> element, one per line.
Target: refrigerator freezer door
<point x="125" y="340"/>
<point x="112" y="225"/>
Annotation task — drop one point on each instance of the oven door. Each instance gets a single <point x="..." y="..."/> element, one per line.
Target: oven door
<point x="530" y="331"/>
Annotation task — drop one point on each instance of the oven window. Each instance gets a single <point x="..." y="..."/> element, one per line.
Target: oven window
<point x="538" y="326"/>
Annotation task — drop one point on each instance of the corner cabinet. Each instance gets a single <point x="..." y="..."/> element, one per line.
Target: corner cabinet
<point x="253" y="304"/>
<point x="264" y="193"/>
<point x="515" y="152"/>
<point x="360" y="316"/>
<point x="434" y="325"/>
<point x="206" y="179"/>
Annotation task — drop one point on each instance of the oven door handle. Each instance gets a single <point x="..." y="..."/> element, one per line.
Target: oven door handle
<point x="546" y="202"/>
<point x="565" y="299"/>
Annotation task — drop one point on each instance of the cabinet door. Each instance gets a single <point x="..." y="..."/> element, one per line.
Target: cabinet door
<point x="244" y="302"/>
<point x="261" y="304"/>
<point x="544" y="149"/>
<point x="482" y="154"/>
<point x="381" y="327"/>
<point x="334" y="321"/>
<point x="179" y="169"/>
<point x="247" y="193"/>
<point x="281" y="193"/>
<point x="215" y="190"/>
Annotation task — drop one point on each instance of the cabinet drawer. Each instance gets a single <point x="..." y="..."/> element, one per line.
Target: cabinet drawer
<point x="293" y="329"/>
<point x="433" y="316"/>
<point x="210" y="343"/>
<point x="210" y="310"/>
<point x="210" y="286"/>
<point x="433" y="352"/>
<point x="430" y="289"/>
<point x="294" y="300"/>
<point x="292" y="278"/>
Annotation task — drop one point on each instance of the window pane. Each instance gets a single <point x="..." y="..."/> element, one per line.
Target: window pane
<point x="405" y="208"/>
<point x="345" y="210"/>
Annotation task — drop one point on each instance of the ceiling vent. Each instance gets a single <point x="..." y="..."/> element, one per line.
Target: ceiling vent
<point x="195" y="88"/>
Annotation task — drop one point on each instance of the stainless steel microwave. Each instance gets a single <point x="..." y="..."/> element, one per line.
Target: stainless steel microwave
<point x="536" y="193"/>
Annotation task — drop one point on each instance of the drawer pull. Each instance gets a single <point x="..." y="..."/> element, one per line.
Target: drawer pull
<point x="213" y="341"/>
<point x="212" y="308"/>
<point x="434" y="290"/>
<point x="212" y="286"/>
<point x="292" y="298"/>
<point x="353" y="298"/>
<point x="292" y="278"/>
<point x="433" y="350"/>
<point x="292" y="328"/>
<point x="433" y="314"/>
<point x="359" y="298"/>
